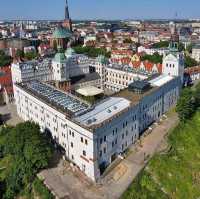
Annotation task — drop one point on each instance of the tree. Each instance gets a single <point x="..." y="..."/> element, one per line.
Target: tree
<point x="128" y="41"/>
<point x="161" y="44"/>
<point x="186" y="104"/>
<point x="197" y="95"/>
<point x="189" y="48"/>
<point x="91" y="51"/>
<point x="155" y="58"/>
<point x="30" y="55"/>
<point x="30" y="151"/>
<point x="4" y="59"/>
<point x="19" y="53"/>
<point x="181" y="47"/>
<point x="190" y="62"/>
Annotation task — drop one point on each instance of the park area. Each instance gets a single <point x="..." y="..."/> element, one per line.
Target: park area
<point x="175" y="172"/>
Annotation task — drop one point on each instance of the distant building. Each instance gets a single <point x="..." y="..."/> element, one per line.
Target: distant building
<point x="60" y="37"/>
<point x="196" y="52"/>
<point x="67" y="23"/>
<point x="32" y="70"/>
<point x="6" y="85"/>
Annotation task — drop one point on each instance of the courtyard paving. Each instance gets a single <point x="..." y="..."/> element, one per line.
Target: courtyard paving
<point x="9" y="112"/>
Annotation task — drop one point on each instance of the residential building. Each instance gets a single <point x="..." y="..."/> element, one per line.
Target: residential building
<point x="196" y="52"/>
<point x="32" y="70"/>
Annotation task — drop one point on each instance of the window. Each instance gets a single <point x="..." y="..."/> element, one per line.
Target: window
<point x="104" y="149"/>
<point x="104" y="138"/>
<point x="72" y="157"/>
<point x="100" y="153"/>
<point x="113" y="144"/>
<point x="113" y="132"/>
<point x="126" y="133"/>
<point x="116" y="141"/>
<point x="122" y="136"/>
<point x="82" y="139"/>
<point x="72" y="134"/>
<point x="84" y="153"/>
<point x="86" y="142"/>
<point x="101" y="140"/>
<point x="72" y="145"/>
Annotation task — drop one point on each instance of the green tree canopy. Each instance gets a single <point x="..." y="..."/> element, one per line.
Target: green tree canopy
<point x="155" y="58"/>
<point x="30" y="55"/>
<point x="186" y="104"/>
<point x="4" y="59"/>
<point x="91" y="51"/>
<point x="19" y="53"/>
<point x="30" y="151"/>
<point x="161" y="44"/>
<point x="190" y="62"/>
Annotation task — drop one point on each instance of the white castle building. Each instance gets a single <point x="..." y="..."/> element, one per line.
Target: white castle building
<point x="93" y="136"/>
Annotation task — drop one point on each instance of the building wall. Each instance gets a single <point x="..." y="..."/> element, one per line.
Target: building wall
<point x="31" y="71"/>
<point x="196" y="54"/>
<point x="118" y="80"/>
<point x="106" y="142"/>
<point x="73" y="138"/>
<point x="116" y="136"/>
<point x="173" y="65"/>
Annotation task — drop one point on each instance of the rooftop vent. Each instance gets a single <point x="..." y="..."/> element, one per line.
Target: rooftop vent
<point x="89" y="121"/>
<point x="109" y="111"/>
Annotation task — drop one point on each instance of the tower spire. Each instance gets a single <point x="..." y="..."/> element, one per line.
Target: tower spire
<point x="66" y="11"/>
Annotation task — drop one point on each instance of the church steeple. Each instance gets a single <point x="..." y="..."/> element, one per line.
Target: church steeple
<point x="67" y="21"/>
<point x="66" y="11"/>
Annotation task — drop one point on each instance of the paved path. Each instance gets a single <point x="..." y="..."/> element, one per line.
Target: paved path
<point x="72" y="185"/>
<point x="10" y="112"/>
<point x="135" y="160"/>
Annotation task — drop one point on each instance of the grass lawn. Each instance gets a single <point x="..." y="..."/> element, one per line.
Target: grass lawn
<point x="175" y="174"/>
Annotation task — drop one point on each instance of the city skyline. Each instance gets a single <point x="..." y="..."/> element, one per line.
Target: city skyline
<point x="104" y="9"/>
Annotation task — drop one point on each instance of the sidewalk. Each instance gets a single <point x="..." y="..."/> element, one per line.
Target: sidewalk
<point x="134" y="163"/>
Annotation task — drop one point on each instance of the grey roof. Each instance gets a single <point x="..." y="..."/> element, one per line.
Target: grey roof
<point x="139" y="85"/>
<point x="60" y="100"/>
<point x="85" y="78"/>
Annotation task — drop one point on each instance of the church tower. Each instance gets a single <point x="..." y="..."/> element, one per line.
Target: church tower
<point x="59" y="66"/>
<point x="67" y="23"/>
<point x="173" y="62"/>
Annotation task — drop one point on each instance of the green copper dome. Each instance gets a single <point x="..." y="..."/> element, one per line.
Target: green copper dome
<point x="60" y="56"/>
<point x="62" y="33"/>
<point x="69" y="52"/>
<point x="102" y="59"/>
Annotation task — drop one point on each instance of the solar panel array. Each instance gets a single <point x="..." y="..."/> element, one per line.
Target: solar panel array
<point x="65" y="101"/>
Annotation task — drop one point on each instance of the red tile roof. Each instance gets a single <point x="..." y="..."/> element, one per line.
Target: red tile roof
<point x="193" y="70"/>
<point x="6" y="79"/>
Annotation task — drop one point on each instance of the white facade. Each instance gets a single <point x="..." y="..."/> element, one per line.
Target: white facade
<point x="151" y="51"/>
<point x="77" y="65"/>
<point x="196" y="54"/>
<point x="117" y="77"/>
<point x="59" y="68"/>
<point x="94" y="137"/>
<point x="32" y="70"/>
<point x="173" y="65"/>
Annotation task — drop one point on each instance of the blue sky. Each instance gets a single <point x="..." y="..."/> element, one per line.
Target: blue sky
<point x="94" y="9"/>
